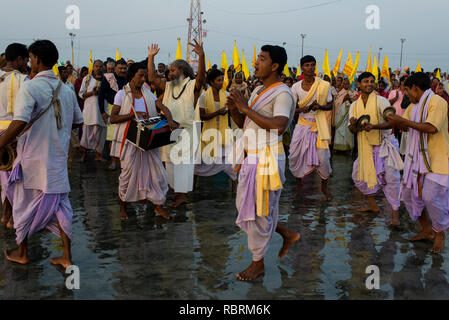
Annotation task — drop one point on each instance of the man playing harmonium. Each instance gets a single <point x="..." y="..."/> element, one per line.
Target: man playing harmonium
<point x="143" y="176"/>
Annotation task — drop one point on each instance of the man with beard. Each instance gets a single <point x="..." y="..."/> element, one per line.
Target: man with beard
<point x="109" y="86"/>
<point x="94" y="128"/>
<point x="12" y="77"/>
<point x="181" y="93"/>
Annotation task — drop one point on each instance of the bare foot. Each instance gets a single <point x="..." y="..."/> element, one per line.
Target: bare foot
<point x="64" y="262"/>
<point x="369" y="209"/>
<point x="10" y="223"/>
<point x="395" y="219"/>
<point x="255" y="269"/>
<point x="14" y="256"/>
<point x="438" y="244"/>
<point x="100" y="159"/>
<point x="423" y="235"/>
<point x="163" y="213"/>
<point x="83" y="158"/>
<point x="122" y="215"/>
<point x="3" y="220"/>
<point x="290" y="237"/>
<point x="180" y="198"/>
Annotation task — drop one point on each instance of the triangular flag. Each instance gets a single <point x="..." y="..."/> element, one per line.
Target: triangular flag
<point x="375" y="70"/>
<point x="55" y="69"/>
<point x="298" y="72"/>
<point x="368" y="62"/>
<point x="418" y="67"/>
<point x="224" y="66"/>
<point x="208" y="65"/>
<point x="245" y="66"/>
<point x="117" y="55"/>
<point x="438" y="75"/>
<point x="354" y="69"/>
<point x="326" y="68"/>
<point x="337" y="64"/>
<point x="385" y="72"/>
<point x="91" y="63"/>
<point x="236" y="58"/>
<point x="347" y="69"/>
<point x="286" y="70"/>
<point x="316" y="69"/>
<point x="178" y="51"/>
<point x="254" y="57"/>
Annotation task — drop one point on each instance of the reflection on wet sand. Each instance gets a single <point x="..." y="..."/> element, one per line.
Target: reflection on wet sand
<point x="198" y="253"/>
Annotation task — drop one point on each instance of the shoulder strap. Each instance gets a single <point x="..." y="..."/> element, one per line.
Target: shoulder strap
<point x="54" y="101"/>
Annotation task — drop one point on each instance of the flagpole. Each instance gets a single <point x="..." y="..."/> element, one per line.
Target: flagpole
<point x="402" y="45"/>
<point x="303" y="35"/>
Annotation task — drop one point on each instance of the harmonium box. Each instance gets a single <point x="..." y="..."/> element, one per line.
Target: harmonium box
<point x="151" y="133"/>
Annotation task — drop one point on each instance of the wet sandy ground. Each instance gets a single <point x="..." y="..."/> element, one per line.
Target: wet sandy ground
<point x="197" y="255"/>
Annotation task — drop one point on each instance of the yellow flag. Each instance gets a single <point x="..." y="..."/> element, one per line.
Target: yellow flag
<point x="326" y="68"/>
<point x="91" y="63"/>
<point x="337" y="64"/>
<point x="208" y="65"/>
<point x="368" y="62"/>
<point x="254" y="57"/>
<point x="347" y="69"/>
<point x="385" y="72"/>
<point x="236" y="58"/>
<point x="438" y="75"/>
<point x="286" y="70"/>
<point x="354" y="69"/>
<point x="316" y="69"/>
<point x="298" y="72"/>
<point x="375" y="71"/>
<point x="55" y="69"/>
<point x="245" y="65"/>
<point x="178" y="51"/>
<point x="224" y="61"/>
<point x="117" y="55"/>
<point x="418" y="67"/>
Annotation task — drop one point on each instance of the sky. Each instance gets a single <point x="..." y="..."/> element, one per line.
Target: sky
<point x="132" y="25"/>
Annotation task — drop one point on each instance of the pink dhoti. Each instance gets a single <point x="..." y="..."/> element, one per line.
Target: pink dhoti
<point x="435" y="198"/>
<point x="34" y="210"/>
<point x="94" y="137"/>
<point x="305" y="157"/>
<point x="388" y="178"/>
<point x="259" y="229"/>
<point x="143" y="176"/>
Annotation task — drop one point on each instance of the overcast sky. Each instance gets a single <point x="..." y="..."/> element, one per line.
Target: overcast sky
<point x="133" y="24"/>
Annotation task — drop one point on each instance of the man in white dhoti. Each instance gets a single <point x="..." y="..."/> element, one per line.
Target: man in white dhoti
<point x="94" y="128"/>
<point x="39" y="175"/>
<point x="181" y="93"/>
<point x="12" y="77"/>
<point x="264" y="119"/>
<point x="143" y="176"/>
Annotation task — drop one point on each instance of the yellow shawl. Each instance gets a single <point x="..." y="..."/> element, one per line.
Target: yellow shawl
<point x="209" y="106"/>
<point x="366" y="140"/>
<point x="321" y="120"/>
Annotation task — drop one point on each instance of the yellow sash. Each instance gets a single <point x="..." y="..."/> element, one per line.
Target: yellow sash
<point x="267" y="178"/>
<point x="321" y="120"/>
<point x="366" y="140"/>
<point x="4" y="124"/>
<point x="320" y="144"/>
<point x="209" y="106"/>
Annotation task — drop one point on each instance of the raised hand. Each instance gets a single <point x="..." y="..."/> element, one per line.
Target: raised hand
<point x="197" y="48"/>
<point x="153" y="50"/>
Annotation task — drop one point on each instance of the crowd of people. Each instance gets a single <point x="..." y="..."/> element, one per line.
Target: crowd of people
<point x="251" y="129"/>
